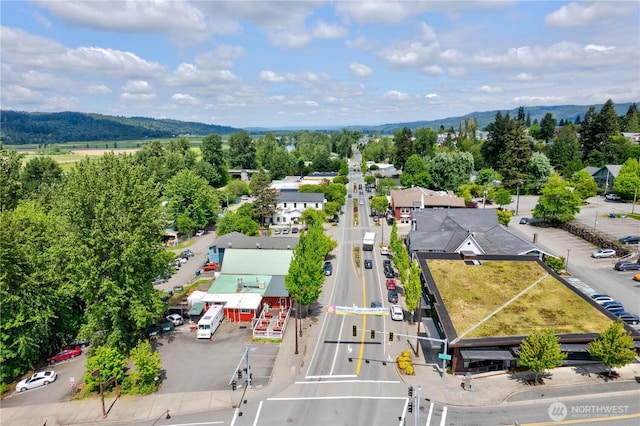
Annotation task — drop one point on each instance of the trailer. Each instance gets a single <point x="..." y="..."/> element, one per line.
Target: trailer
<point x="210" y="322"/>
<point x="369" y="241"/>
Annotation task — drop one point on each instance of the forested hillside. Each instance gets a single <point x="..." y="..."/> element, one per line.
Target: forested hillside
<point x="20" y="128"/>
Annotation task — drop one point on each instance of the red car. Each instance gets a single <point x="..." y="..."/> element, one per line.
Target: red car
<point x="391" y="284"/>
<point x="213" y="266"/>
<point x="66" y="354"/>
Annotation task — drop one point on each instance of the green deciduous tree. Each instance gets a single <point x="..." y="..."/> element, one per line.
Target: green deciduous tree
<point x="558" y="203"/>
<point x="242" y="220"/>
<point x="413" y="288"/>
<point x="265" y="196"/>
<point x="540" y="170"/>
<point x="450" y="170"/>
<point x="242" y="152"/>
<point x="415" y="172"/>
<point x="613" y="347"/>
<point x="39" y="171"/>
<point x="541" y="352"/>
<point x="502" y="197"/>
<point x="584" y="185"/>
<point x="111" y="247"/>
<point x="403" y="147"/>
<point x="214" y="154"/>
<point x="425" y="141"/>
<point x="566" y="150"/>
<point x="385" y="186"/>
<point x="305" y="276"/>
<point x="10" y="185"/>
<point x="379" y="204"/>
<point x="146" y="369"/>
<point x="627" y="183"/>
<point x="105" y="363"/>
<point x="504" y="217"/>
<point x="192" y="202"/>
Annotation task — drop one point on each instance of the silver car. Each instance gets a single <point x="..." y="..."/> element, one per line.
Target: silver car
<point x="604" y="252"/>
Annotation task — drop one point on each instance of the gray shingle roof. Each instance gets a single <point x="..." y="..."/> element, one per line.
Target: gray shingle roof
<point x="300" y="197"/>
<point x="241" y="241"/>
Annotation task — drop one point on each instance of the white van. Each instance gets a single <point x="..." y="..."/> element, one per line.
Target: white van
<point x="384" y="250"/>
<point x="209" y="323"/>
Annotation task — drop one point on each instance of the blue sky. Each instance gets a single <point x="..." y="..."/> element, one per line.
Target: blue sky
<point x="306" y="63"/>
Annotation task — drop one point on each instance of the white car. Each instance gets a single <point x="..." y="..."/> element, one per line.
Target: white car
<point x="396" y="313"/>
<point x="38" y="379"/>
<point x="175" y="319"/>
<point x="605" y="252"/>
<point x="199" y="232"/>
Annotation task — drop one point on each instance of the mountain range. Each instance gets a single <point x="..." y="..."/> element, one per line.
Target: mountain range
<point x="19" y="128"/>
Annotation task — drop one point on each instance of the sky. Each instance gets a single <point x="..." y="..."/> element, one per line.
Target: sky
<point x="279" y="64"/>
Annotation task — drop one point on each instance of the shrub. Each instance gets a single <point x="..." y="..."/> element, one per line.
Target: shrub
<point x="405" y="363"/>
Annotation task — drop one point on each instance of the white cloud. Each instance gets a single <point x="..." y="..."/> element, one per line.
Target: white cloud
<point x="182" y="98"/>
<point x="288" y="39"/>
<point x="395" y="95"/>
<point x="524" y="76"/>
<point x="360" y="70"/>
<point x="538" y="99"/>
<point x="597" y="48"/>
<point x="98" y="89"/>
<point x="410" y="55"/>
<point x="220" y="57"/>
<point x="432" y="96"/>
<point x="433" y="70"/>
<point x="192" y="75"/>
<point x="386" y="12"/>
<point x="271" y="77"/>
<point x="311" y="103"/>
<point x="138" y="87"/>
<point x="489" y="89"/>
<point x="358" y="43"/>
<point x="137" y="97"/>
<point x="586" y="14"/>
<point x="322" y="30"/>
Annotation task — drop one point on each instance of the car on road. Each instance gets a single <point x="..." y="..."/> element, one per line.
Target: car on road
<point x="186" y="253"/>
<point x="630" y="239"/>
<point x="524" y="221"/>
<point x="392" y="296"/>
<point x="64" y="355"/>
<point x="175" y="319"/>
<point x="368" y="264"/>
<point x="625" y="265"/>
<point x="327" y="268"/>
<point x="200" y="232"/>
<point x="40" y="378"/>
<point x="384" y="251"/>
<point x="628" y="317"/>
<point x="612" y="197"/>
<point x="636" y="277"/>
<point x="361" y="202"/>
<point x="396" y="313"/>
<point x="391" y="284"/>
<point x="376" y="304"/>
<point x="386" y="263"/>
<point x="603" y="252"/>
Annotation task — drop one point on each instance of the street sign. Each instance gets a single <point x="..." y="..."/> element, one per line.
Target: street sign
<point x="444" y="356"/>
<point x="72" y="382"/>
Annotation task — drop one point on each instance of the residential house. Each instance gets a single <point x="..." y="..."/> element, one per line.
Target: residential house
<point x="236" y="240"/>
<point x="605" y="176"/>
<point x="291" y="204"/>
<point x="404" y="202"/>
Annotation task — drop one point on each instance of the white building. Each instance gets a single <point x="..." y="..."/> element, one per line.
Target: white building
<point x="291" y="204"/>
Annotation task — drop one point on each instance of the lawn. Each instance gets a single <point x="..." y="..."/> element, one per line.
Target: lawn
<point x="472" y="294"/>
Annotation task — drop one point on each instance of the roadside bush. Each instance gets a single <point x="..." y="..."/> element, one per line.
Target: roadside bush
<point x="555" y="263"/>
<point x="356" y="256"/>
<point x="146" y="370"/>
<point x="405" y="363"/>
<point x="107" y="362"/>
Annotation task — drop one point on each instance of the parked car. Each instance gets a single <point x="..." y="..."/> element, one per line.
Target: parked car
<point x="391" y="284"/>
<point x="386" y="263"/>
<point x="612" y="197"/>
<point x="211" y="266"/>
<point x="64" y="355"/>
<point x="613" y="307"/>
<point x="628" y="317"/>
<point x="294" y="230"/>
<point x="82" y="343"/>
<point x="376" y="304"/>
<point x="200" y="232"/>
<point x="159" y="280"/>
<point x="327" y="268"/>
<point x="636" y="277"/>
<point x="384" y="251"/>
<point x="40" y="378"/>
<point x="186" y="253"/>
<point x="396" y="313"/>
<point x="285" y="230"/>
<point x="601" y="298"/>
<point x="604" y="252"/>
<point x="392" y="296"/>
<point x="524" y="221"/>
<point x="368" y="264"/>
<point x="627" y="266"/>
<point x="277" y="231"/>
<point x="389" y="273"/>
<point x="630" y="239"/>
<point x="175" y="319"/>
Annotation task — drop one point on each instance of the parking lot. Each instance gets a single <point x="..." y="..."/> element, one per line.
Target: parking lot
<point x="192" y="365"/>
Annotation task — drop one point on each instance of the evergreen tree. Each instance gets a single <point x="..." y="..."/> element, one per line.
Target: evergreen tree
<point x="265" y="196"/>
<point x="521" y="117"/>
<point x="565" y="150"/>
<point x="403" y="147"/>
<point x="213" y="154"/>
<point x="528" y="123"/>
<point x="547" y="127"/>
<point x="632" y="119"/>
<point x="242" y="152"/>
<point x="425" y="142"/>
<point x="613" y="347"/>
<point x="540" y="352"/>
<point x="589" y="141"/>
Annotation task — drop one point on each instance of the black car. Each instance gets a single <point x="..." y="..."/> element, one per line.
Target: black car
<point x="393" y="296"/>
<point x="368" y="264"/>
<point x="627" y="266"/>
<point x="630" y="239"/>
<point x="328" y="268"/>
<point x="74" y="344"/>
<point x="389" y="273"/>
<point x="524" y="221"/>
<point x="386" y="263"/>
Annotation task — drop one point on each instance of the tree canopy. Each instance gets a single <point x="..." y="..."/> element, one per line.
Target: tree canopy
<point x="540" y="352"/>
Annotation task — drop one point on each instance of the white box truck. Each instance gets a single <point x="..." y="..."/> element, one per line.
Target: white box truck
<point x="369" y="241"/>
<point x="210" y="322"/>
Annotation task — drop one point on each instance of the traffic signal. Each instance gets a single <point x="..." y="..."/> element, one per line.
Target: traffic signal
<point x="239" y="374"/>
<point x="391" y="336"/>
<point x="234" y="385"/>
<point x="410" y="391"/>
<point x="354" y="331"/>
<point x="410" y="407"/>
<point x="373" y="334"/>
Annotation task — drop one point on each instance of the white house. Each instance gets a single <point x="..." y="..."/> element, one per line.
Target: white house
<point x="291" y="204"/>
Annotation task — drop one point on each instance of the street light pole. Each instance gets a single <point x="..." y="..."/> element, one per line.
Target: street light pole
<point x="518" y="195"/>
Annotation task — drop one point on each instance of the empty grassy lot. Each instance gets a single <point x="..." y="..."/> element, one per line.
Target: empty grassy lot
<point x="472" y="293"/>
